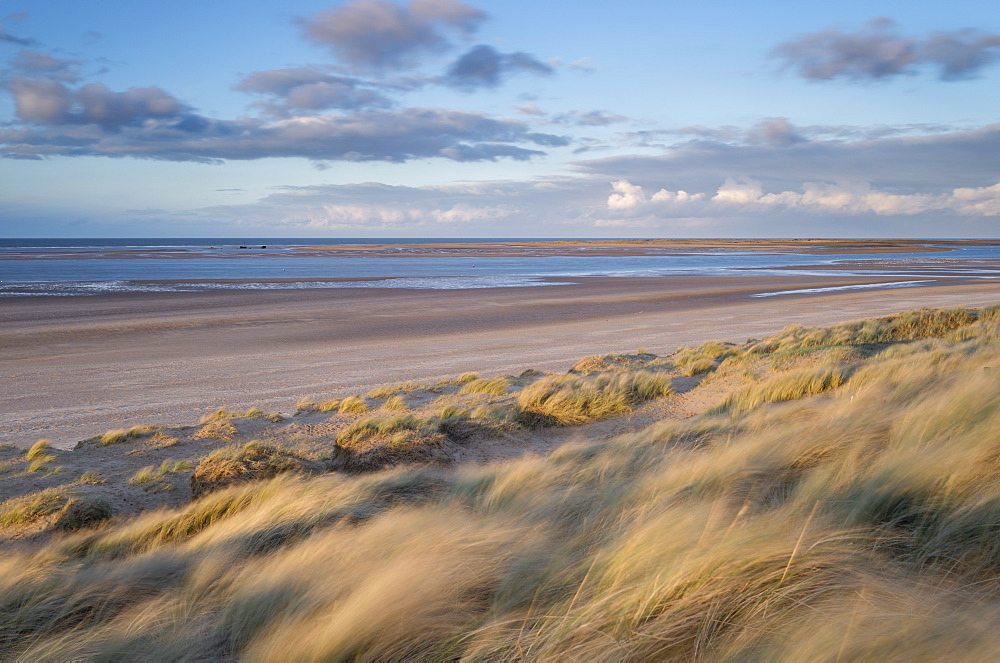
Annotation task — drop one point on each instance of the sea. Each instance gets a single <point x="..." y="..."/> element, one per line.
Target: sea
<point x="79" y="267"/>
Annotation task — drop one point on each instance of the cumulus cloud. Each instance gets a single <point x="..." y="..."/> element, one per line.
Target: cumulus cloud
<point x="378" y="34"/>
<point x="747" y="196"/>
<point x="878" y="52"/>
<point x="306" y="88"/>
<point x="485" y="67"/>
<point x="626" y="196"/>
<point x="49" y="102"/>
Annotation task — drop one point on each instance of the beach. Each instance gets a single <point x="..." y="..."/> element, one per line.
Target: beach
<point x="77" y="366"/>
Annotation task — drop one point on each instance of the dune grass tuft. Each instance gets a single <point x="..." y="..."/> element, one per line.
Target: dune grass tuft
<point x="491" y="386"/>
<point x="785" y="387"/>
<point x="80" y="513"/>
<point x="39" y="448"/>
<point x="252" y="461"/>
<point x="568" y="399"/>
<point x="391" y="390"/>
<point x="467" y="377"/>
<point x="32" y="507"/>
<point x="352" y="405"/>
<point x="119" y="436"/>
<point x="612" y="362"/>
<point x="374" y="443"/>
<point x="396" y="402"/>
<point x="91" y="478"/>
<point x="152" y="474"/>
<point x="253" y="413"/>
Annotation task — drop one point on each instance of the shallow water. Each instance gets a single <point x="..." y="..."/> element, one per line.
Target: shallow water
<point x="50" y="267"/>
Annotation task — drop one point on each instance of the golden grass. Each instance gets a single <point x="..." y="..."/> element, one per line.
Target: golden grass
<point x="567" y="400"/>
<point x="352" y="405"/>
<point x="91" y="478"/>
<point x="40" y="463"/>
<point x="392" y="390"/>
<point x="863" y="525"/>
<point x="153" y="474"/>
<point x="224" y="414"/>
<point x="785" y="387"/>
<point x="491" y="386"/>
<point x="119" y="436"/>
<point x="612" y="362"/>
<point x="252" y="461"/>
<point x="396" y="402"/>
<point x="32" y="507"/>
<point x="37" y="449"/>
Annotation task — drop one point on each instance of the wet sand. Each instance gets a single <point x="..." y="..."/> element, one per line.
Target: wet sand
<point x="75" y="366"/>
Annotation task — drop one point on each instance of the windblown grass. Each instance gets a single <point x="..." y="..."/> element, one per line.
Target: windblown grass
<point x="612" y="362"/>
<point x="239" y="464"/>
<point x="253" y="413"/>
<point x="785" y="387"/>
<point x="352" y="405"/>
<point x="119" y="436"/>
<point x="863" y="525"/>
<point x="566" y="400"/>
<point x="704" y="358"/>
<point x="392" y="390"/>
<point x="40" y="448"/>
<point x="375" y="443"/>
<point x="490" y="386"/>
<point x="32" y="507"/>
<point x="309" y="405"/>
<point x="396" y="402"/>
<point x="152" y="475"/>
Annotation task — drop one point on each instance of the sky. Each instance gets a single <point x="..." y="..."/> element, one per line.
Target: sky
<point x="444" y="118"/>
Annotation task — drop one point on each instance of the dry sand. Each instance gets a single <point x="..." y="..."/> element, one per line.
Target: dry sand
<point x="75" y="366"/>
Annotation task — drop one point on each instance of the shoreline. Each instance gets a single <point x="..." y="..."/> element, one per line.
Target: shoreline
<point x="77" y="366"/>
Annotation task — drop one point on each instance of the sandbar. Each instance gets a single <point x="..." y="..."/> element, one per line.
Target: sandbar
<point x="75" y="366"/>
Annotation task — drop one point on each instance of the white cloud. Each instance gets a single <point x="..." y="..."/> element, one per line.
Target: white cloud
<point x="629" y="195"/>
<point x="747" y="196"/>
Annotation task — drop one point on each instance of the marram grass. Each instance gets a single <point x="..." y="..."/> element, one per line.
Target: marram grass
<point x="856" y="519"/>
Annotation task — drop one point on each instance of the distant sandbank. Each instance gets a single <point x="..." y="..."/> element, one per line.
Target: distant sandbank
<point x="640" y="247"/>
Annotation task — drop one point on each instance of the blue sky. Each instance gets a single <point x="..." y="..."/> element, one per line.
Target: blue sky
<point x="442" y="118"/>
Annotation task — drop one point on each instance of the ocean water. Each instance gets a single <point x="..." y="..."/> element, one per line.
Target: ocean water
<point x="68" y="267"/>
